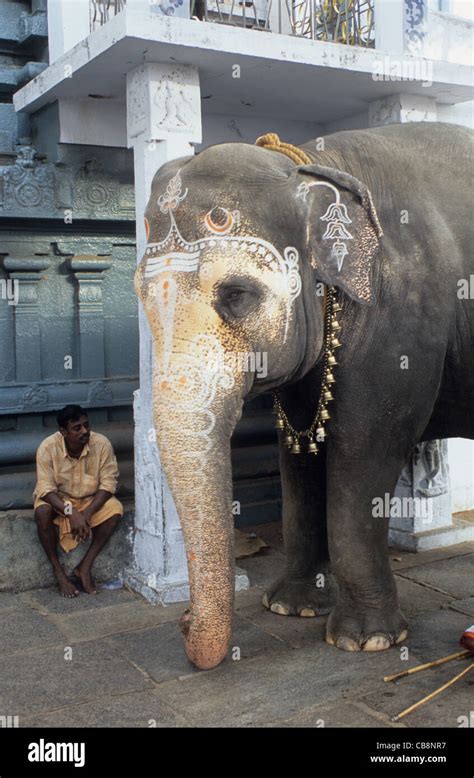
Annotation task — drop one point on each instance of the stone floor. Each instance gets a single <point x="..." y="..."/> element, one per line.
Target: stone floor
<point x="115" y="660"/>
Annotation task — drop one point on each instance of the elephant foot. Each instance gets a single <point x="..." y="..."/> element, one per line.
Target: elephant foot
<point x="303" y="597"/>
<point x="357" y="629"/>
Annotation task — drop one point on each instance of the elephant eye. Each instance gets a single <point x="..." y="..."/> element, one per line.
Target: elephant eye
<point x="236" y="301"/>
<point x="234" y="295"/>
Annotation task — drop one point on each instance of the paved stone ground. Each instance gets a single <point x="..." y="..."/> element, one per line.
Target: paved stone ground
<point x="128" y="668"/>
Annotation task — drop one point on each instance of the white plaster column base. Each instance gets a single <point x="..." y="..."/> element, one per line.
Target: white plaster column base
<point x="460" y="531"/>
<point x="402" y="108"/>
<point x="422" y="515"/>
<point x="166" y="593"/>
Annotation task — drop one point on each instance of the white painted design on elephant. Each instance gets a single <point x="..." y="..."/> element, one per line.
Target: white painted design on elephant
<point x="174" y="260"/>
<point x="191" y="382"/>
<point x="172" y="197"/>
<point x="174" y="252"/>
<point x="166" y="312"/>
<point x="336" y="216"/>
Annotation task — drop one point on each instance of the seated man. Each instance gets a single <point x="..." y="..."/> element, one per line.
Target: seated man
<point x="76" y="479"/>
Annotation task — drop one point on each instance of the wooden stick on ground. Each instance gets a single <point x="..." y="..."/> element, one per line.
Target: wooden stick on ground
<point x="436" y="662"/>
<point x="433" y="694"/>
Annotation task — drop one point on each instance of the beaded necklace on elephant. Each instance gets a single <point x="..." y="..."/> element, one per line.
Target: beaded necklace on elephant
<point x="316" y="430"/>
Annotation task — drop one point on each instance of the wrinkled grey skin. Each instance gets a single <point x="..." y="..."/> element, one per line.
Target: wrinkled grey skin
<point x="380" y="411"/>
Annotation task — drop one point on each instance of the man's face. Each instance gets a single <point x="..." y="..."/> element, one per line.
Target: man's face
<point x="77" y="433"/>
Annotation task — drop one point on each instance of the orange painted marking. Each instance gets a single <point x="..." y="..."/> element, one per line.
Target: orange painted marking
<point x="166" y="284"/>
<point x="165" y="385"/>
<point x="191" y="556"/>
<point x="218" y="227"/>
<point x="182" y="379"/>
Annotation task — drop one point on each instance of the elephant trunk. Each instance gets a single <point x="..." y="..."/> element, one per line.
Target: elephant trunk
<point x="196" y="408"/>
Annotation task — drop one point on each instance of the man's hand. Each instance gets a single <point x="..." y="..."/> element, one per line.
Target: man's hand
<point x="99" y="499"/>
<point x="79" y="525"/>
<point x="87" y="513"/>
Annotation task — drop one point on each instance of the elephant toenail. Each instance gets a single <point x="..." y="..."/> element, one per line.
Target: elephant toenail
<point x="347" y="644"/>
<point x="282" y="610"/>
<point x="402" y="636"/>
<point x="265" y="602"/>
<point x="307" y="613"/>
<point x="376" y="643"/>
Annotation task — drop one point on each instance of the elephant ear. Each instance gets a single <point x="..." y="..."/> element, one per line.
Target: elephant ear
<point x="343" y="230"/>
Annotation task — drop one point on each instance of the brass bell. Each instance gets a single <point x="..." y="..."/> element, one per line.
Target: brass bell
<point x="332" y="360"/>
<point x="335" y="343"/>
<point x="312" y="448"/>
<point x="321" y="433"/>
<point x="336" y="307"/>
<point x="327" y="396"/>
<point x="335" y="326"/>
<point x="296" y="448"/>
<point x="280" y="424"/>
<point x="289" y="440"/>
<point x="330" y="378"/>
<point x="324" y="415"/>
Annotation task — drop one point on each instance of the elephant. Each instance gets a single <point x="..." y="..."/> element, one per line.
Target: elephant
<point x="366" y="244"/>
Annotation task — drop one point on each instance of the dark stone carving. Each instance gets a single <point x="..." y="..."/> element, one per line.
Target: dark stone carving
<point x="99" y="392"/>
<point x="96" y="192"/>
<point x="90" y="192"/>
<point x="29" y="183"/>
<point x="34" y="397"/>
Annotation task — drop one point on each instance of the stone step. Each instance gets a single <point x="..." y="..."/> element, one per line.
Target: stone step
<point x="23" y="563"/>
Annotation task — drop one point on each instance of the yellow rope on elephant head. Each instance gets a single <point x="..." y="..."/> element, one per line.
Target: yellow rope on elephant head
<point x="272" y="141"/>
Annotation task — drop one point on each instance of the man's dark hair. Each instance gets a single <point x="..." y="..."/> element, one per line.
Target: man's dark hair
<point x="70" y="413"/>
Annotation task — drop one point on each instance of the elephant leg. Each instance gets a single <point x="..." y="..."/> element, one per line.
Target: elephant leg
<point x="307" y="587"/>
<point x="367" y="614"/>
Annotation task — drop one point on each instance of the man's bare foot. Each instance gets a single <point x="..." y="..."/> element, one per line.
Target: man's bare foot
<point x="84" y="576"/>
<point x="66" y="586"/>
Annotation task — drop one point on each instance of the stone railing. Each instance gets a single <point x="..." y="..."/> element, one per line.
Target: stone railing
<point x="342" y="21"/>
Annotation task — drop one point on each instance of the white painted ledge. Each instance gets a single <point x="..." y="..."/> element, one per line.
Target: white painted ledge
<point x="279" y="73"/>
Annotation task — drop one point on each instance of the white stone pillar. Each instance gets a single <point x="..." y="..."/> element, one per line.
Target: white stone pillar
<point x="163" y="121"/>
<point x="68" y="24"/>
<point x="389" y="21"/>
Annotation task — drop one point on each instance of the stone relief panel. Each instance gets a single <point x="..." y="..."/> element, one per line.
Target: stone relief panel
<point x="27" y="184"/>
<point x="427" y="473"/>
<point x="87" y="191"/>
<point x="96" y="192"/>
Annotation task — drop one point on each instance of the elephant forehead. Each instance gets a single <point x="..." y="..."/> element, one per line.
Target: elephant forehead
<point x="213" y="259"/>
